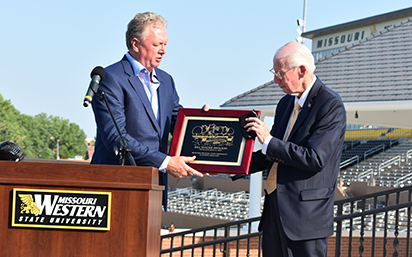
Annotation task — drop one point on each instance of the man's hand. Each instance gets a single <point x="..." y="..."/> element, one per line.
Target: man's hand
<point x="178" y="168"/>
<point x="260" y="127"/>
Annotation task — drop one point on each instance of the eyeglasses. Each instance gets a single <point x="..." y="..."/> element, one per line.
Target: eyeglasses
<point x="280" y="75"/>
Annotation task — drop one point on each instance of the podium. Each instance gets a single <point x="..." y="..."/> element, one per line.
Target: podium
<point x="134" y="218"/>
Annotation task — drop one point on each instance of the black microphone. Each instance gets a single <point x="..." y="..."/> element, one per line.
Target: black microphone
<point x="97" y="75"/>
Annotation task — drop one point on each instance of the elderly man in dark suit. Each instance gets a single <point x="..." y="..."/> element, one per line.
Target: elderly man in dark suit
<point x="144" y="102"/>
<point x="303" y="152"/>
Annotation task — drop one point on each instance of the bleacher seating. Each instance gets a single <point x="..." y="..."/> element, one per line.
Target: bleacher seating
<point x="391" y="167"/>
<point x="365" y="149"/>
<point x="368" y="220"/>
<point x="358" y="134"/>
<point x="210" y="203"/>
<point x="235" y="206"/>
<point x="385" y="161"/>
<point x="358" y="153"/>
<point x="349" y="144"/>
<point x="399" y="133"/>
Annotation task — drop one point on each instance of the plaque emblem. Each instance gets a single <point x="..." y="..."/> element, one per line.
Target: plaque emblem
<point x="212" y="135"/>
<point x="28" y="205"/>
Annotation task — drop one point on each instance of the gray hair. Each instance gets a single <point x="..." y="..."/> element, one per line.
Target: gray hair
<point x="137" y="26"/>
<point x="297" y="54"/>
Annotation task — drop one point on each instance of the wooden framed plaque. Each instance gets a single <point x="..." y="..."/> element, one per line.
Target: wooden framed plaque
<point x="215" y="138"/>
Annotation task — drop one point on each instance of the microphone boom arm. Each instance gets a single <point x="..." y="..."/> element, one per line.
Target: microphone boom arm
<point x="124" y="146"/>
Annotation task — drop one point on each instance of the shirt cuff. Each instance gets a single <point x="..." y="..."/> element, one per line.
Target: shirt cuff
<point x="265" y="144"/>
<point x="165" y="162"/>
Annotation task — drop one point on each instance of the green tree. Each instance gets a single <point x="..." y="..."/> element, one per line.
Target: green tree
<point x="36" y="142"/>
<point x="71" y="138"/>
<point x="38" y="136"/>
<point x="10" y="129"/>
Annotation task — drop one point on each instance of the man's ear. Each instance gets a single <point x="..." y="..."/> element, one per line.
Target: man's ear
<point x="135" y="44"/>
<point x="302" y="71"/>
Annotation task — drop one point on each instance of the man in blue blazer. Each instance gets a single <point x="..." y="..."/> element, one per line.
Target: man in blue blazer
<point x="144" y="103"/>
<point x="298" y="215"/>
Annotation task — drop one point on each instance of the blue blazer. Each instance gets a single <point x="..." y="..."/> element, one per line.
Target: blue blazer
<point x="308" y="163"/>
<point x="147" y="138"/>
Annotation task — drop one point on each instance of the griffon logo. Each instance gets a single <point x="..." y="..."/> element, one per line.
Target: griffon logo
<point x="61" y="209"/>
<point x="28" y="205"/>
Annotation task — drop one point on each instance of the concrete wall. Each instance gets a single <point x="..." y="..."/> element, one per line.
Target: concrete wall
<point x="179" y="183"/>
<point x="207" y="182"/>
<point x="224" y="184"/>
<point x="188" y="221"/>
<point x="361" y="188"/>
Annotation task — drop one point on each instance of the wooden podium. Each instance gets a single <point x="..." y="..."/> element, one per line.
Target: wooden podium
<point x="135" y="218"/>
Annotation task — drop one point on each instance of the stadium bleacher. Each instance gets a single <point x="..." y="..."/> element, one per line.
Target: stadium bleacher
<point x="380" y="162"/>
<point x="365" y="134"/>
<point x="210" y="203"/>
<point x="365" y="149"/>
<point x="235" y="206"/>
<point x="368" y="220"/>
<point x="384" y="159"/>
<point x="399" y="133"/>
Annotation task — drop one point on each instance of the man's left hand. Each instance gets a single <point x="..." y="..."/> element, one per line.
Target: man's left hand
<point x="260" y="127"/>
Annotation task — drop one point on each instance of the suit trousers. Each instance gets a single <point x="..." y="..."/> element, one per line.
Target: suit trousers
<point x="275" y="243"/>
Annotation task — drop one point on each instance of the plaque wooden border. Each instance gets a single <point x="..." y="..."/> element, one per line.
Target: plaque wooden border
<point x="245" y="152"/>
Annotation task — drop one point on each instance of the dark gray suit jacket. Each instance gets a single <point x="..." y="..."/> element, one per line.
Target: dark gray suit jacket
<point x="308" y="163"/>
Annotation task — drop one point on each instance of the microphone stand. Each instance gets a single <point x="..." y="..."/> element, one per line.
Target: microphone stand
<point x="124" y="146"/>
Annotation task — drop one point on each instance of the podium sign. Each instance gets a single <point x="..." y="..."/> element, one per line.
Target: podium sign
<point x="62" y="209"/>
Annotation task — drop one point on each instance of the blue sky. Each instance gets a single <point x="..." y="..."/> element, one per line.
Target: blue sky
<point x="216" y="50"/>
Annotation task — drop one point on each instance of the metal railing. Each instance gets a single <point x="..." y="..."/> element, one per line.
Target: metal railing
<point x="376" y="149"/>
<point x="374" y="172"/>
<point x="383" y="212"/>
<point x="349" y="162"/>
<point x="384" y="216"/>
<point x="366" y="175"/>
<point x="371" y="151"/>
<point x="369" y="174"/>
<point x="217" y="238"/>
<point x="403" y="180"/>
<point x="395" y="160"/>
<point x="408" y="155"/>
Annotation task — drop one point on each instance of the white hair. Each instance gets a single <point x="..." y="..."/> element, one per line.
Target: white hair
<point x="296" y="54"/>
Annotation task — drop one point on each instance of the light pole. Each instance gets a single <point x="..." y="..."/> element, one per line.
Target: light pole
<point x="57" y="150"/>
<point x="57" y="153"/>
<point x="302" y="23"/>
